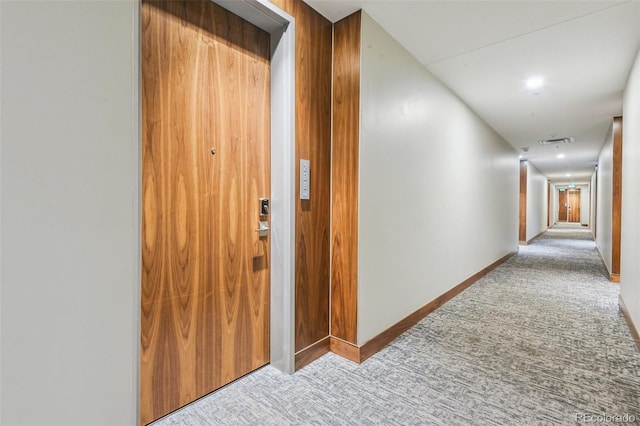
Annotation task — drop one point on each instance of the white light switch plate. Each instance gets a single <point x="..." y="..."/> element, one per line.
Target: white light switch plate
<point x="305" y="179"/>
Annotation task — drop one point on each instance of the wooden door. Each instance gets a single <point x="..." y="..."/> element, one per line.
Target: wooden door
<point x="574" y="206"/>
<point x="563" y="206"/>
<point x="205" y="271"/>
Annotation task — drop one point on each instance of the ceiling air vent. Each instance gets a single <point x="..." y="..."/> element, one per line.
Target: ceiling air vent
<point x="557" y="141"/>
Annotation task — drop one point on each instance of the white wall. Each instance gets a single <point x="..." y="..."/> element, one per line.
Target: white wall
<point x="438" y="187"/>
<point x="70" y="212"/>
<point x="536" y="202"/>
<point x="604" y="187"/>
<point x="630" y="247"/>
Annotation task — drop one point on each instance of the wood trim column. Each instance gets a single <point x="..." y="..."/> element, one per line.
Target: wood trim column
<point x="594" y="194"/>
<point x="549" y="204"/>
<point x="523" y="202"/>
<point x="345" y="178"/>
<point x="616" y="217"/>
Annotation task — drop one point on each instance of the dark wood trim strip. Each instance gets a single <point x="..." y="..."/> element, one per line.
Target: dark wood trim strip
<point x="594" y="212"/>
<point x="614" y="278"/>
<point x="548" y="204"/>
<point x="360" y="353"/>
<point x="635" y="333"/>
<point x="344" y="178"/>
<point x="344" y="349"/>
<point x="523" y="202"/>
<point x="311" y="353"/>
<point x="616" y="218"/>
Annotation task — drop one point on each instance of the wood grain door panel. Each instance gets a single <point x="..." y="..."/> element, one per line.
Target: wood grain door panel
<point x="205" y="271"/>
<point x="562" y="206"/>
<point x="574" y="206"/>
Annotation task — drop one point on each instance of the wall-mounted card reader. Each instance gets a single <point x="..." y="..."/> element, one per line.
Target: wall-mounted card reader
<point x="264" y="207"/>
<point x="305" y="179"/>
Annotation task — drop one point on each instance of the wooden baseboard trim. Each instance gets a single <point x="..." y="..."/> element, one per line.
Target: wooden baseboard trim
<point x="311" y="353"/>
<point x="345" y="349"/>
<point x="360" y="353"/>
<point x="632" y="327"/>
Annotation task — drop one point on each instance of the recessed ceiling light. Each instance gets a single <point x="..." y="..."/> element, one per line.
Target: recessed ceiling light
<point x="560" y="155"/>
<point x="568" y="174"/>
<point x="535" y="83"/>
<point x="521" y="156"/>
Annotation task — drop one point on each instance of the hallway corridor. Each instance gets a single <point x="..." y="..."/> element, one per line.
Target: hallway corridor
<point x="539" y="340"/>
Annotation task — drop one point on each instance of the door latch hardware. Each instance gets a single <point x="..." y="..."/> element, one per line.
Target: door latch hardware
<point x="263" y="228"/>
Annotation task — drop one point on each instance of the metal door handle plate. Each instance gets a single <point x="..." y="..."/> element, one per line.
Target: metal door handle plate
<point x="263" y="228"/>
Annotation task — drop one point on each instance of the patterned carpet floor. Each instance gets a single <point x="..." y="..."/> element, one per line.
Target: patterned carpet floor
<point x="539" y="340"/>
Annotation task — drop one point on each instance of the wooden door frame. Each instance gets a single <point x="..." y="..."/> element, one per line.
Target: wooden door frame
<point x="281" y="27"/>
<point x="554" y="204"/>
<point x="549" y="203"/>
<point x="593" y="218"/>
<point x="616" y="202"/>
<point x="522" y="228"/>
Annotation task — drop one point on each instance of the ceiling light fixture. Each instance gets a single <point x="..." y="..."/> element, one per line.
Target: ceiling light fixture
<point x="568" y="174"/>
<point x="560" y="155"/>
<point x="535" y="84"/>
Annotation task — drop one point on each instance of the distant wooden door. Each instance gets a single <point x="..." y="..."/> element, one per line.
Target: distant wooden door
<point x="563" y="206"/>
<point x="205" y="270"/>
<point x="574" y="206"/>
